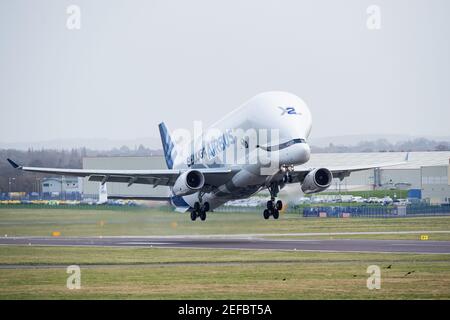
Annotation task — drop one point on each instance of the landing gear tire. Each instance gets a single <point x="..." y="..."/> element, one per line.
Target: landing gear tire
<point x="275" y="214"/>
<point x="273" y="208"/>
<point x="279" y="205"/>
<point x="199" y="211"/>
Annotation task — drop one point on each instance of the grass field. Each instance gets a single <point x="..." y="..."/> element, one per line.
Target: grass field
<point x="33" y="272"/>
<point x="147" y="222"/>
<point x="228" y="274"/>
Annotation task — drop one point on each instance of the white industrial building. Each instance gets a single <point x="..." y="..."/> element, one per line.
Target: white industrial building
<point x="436" y="184"/>
<point x="58" y="185"/>
<point x="404" y="176"/>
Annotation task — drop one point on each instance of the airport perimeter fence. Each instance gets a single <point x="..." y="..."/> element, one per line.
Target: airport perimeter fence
<point x="334" y="211"/>
<point x="372" y="211"/>
<point x="377" y="211"/>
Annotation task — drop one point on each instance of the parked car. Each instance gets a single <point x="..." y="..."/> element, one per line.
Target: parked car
<point x="373" y="200"/>
<point x="358" y="199"/>
<point x="401" y="202"/>
<point x="387" y="200"/>
<point x="304" y="200"/>
<point x="317" y="200"/>
<point x="346" y="198"/>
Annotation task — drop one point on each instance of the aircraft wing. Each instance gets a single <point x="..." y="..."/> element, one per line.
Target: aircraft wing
<point x="164" y="177"/>
<point x="122" y="197"/>
<point x="299" y="174"/>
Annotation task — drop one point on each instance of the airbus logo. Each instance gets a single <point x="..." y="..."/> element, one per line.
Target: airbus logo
<point x="288" y="110"/>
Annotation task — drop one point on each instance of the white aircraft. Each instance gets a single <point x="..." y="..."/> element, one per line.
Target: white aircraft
<point x="255" y="147"/>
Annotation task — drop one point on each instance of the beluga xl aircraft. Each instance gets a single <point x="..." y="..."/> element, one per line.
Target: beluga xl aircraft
<point x="258" y="146"/>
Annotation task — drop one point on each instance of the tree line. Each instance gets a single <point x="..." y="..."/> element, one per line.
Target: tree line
<point x="383" y="145"/>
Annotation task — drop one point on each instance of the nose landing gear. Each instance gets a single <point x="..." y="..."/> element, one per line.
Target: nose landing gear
<point x="287" y="169"/>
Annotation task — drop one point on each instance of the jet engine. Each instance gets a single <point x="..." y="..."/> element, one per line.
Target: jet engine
<point x="188" y="183"/>
<point x="317" y="180"/>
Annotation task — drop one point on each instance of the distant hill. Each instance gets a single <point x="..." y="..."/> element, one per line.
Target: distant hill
<point x="351" y="140"/>
<point x="379" y="144"/>
<point x="92" y="144"/>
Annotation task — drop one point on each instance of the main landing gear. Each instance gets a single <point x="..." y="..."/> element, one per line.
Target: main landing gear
<point x="199" y="211"/>
<point x="273" y="208"/>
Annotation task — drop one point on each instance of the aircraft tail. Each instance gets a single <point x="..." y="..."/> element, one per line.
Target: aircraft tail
<point x="168" y="146"/>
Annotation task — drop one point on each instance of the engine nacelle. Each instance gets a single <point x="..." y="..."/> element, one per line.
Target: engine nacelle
<point x="317" y="180"/>
<point x="188" y="183"/>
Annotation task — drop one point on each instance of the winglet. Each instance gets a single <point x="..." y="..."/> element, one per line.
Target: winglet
<point x="14" y="165"/>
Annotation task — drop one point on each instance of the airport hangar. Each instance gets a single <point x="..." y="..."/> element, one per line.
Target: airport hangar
<point x="428" y="172"/>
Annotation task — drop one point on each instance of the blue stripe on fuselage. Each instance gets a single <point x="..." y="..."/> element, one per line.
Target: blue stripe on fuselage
<point x="178" y="201"/>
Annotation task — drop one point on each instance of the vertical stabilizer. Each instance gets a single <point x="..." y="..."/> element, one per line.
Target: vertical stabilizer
<point x="167" y="145"/>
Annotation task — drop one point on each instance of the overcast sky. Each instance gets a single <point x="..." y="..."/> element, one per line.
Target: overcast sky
<point x="135" y="63"/>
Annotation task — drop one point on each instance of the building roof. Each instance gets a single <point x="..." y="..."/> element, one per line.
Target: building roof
<point x="415" y="159"/>
<point x="58" y="179"/>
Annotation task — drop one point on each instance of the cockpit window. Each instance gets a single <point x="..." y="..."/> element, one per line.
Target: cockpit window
<point x="283" y="145"/>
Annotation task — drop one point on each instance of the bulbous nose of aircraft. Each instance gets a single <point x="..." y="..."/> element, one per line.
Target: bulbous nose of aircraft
<point x="295" y="154"/>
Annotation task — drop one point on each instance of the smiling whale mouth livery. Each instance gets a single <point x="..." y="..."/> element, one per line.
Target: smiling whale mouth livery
<point x="236" y="162"/>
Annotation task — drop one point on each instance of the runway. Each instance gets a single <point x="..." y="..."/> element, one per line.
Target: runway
<point x="338" y="245"/>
